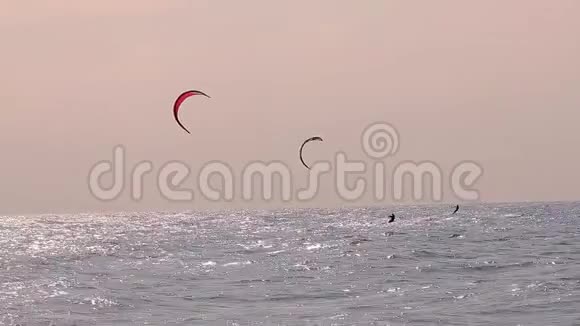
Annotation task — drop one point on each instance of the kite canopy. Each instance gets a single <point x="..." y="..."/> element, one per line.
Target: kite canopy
<point x="304" y="143"/>
<point x="180" y="99"/>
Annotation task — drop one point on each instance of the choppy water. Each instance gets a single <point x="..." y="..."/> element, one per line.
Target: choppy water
<point x="487" y="265"/>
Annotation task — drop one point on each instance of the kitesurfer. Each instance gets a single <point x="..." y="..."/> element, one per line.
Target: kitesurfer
<point x="456" y="209"/>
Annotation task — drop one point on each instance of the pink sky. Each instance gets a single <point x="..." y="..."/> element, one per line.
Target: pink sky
<point x="496" y="82"/>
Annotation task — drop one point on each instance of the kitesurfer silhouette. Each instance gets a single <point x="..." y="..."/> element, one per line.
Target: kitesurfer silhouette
<point x="456" y="209"/>
<point x="392" y="218"/>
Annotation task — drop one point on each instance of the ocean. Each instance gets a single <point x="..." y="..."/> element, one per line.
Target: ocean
<point x="489" y="264"/>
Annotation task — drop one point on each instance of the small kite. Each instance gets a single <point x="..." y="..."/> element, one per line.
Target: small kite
<point x="180" y="100"/>
<point x="304" y="143"/>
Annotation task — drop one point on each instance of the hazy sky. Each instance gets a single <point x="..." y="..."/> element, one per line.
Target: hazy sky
<point x="496" y="82"/>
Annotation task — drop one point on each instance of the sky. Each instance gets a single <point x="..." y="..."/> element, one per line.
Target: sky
<point x="492" y="82"/>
